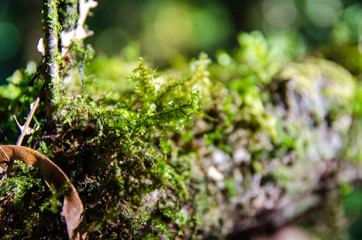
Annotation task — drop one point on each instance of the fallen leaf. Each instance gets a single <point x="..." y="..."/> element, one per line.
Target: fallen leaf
<point x="72" y="205"/>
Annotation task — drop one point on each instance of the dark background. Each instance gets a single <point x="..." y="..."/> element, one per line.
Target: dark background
<point x="167" y="31"/>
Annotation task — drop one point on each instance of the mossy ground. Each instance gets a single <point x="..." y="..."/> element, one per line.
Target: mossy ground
<point x="163" y="155"/>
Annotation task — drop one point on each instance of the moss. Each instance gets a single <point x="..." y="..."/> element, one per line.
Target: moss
<point x="157" y="156"/>
<point x="28" y="207"/>
<point x="132" y="168"/>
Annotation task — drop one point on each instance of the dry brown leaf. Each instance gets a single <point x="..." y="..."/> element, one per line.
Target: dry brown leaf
<point x="53" y="175"/>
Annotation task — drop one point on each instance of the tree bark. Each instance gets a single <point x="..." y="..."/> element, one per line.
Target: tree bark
<point x="51" y="58"/>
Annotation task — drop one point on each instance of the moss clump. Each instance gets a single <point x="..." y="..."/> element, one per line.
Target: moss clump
<point x="156" y="156"/>
<point x="115" y="146"/>
<point x="28" y="209"/>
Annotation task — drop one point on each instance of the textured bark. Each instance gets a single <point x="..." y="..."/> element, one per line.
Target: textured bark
<point x="60" y="32"/>
<point x="51" y="58"/>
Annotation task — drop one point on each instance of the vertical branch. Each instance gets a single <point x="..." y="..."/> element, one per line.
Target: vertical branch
<point x="61" y="30"/>
<point x="51" y="29"/>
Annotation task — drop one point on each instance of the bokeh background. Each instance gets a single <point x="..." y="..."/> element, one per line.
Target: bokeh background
<point x="167" y="32"/>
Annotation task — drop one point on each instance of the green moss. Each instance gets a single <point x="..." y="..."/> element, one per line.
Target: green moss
<point x="28" y="205"/>
<point x="132" y="168"/>
<point x="160" y="155"/>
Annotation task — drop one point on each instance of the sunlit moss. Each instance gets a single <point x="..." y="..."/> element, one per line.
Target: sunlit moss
<point x="164" y="155"/>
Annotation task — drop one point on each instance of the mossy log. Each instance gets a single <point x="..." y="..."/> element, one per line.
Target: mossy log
<point x="271" y="179"/>
<point x="229" y="153"/>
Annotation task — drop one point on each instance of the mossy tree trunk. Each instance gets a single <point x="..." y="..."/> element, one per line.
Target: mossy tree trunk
<point x="51" y="59"/>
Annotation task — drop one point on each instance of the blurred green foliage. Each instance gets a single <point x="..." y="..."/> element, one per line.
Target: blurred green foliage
<point x="191" y="27"/>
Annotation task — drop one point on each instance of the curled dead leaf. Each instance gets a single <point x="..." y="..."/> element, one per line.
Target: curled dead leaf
<point x="72" y="205"/>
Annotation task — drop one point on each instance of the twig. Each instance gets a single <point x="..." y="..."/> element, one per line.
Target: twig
<point x="78" y="32"/>
<point x="24" y="129"/>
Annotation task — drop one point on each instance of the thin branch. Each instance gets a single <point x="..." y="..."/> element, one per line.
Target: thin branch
<point x="68" y="36"/>
<point x="24" y="129"/>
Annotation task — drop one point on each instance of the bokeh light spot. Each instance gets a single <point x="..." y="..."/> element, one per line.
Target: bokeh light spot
<point x="173" y="25"/>
<point x="211" y="26"/>
<point x="279" y="13"/>
<point x="176" y="28"/>
<point x="323" y="13"/>
<point x="223" y="58"/>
